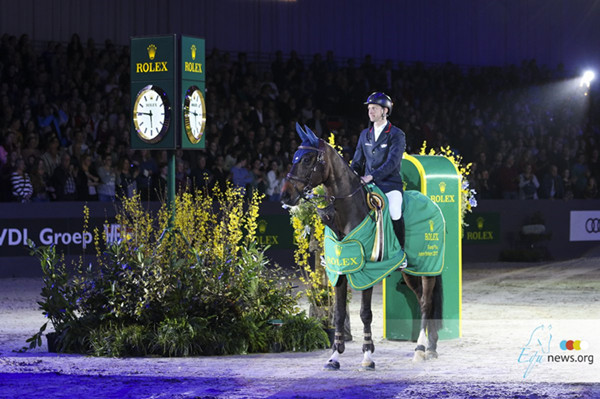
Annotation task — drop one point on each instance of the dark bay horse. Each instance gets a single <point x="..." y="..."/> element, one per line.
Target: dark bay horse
<point x="316" y="163"/>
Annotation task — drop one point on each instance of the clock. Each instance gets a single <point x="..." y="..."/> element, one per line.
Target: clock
<point x="194" y="114"/>
<point x="151" y="114"/>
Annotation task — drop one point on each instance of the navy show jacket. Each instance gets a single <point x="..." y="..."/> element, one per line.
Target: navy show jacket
<point x="381" y="159"/>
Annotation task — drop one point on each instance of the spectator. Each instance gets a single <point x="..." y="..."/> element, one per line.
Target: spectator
<point x="579" y="175"/>
<point x="200" y="175"/>
<point x="274" y="182"/>
<point x="182" y="180"/>
<point x="42" y="190"/>
<point x="568" y="184"/>
<point x="87" y="180"/>
<point x="64" y="179"/>
<point x="509" y="179"/>
<point x="51" y="157"/>
<point x="127" y="185"/>
<point x="220" y="175"/>
<point x="149" y="172"/>
<point x="108" y="180"/>
<point x="241" y="175"/>
<point x="552" y="185"/>
<point x="528" y="184"/>
<point x="22" y="188"/>
<point x="259" y="181"/>
<point x="483" y="186"/>
<point x="591" y="189"/>
<point x="32" y="147"/>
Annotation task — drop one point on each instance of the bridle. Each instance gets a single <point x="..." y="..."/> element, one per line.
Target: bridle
<point x="307" y="192"/>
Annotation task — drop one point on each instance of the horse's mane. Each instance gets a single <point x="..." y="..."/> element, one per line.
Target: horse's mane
<point x="340" y="159"/>
<point x="335" y="212"/>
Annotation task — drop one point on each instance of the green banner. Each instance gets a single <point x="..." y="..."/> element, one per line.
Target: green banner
<point x="275" y="231"/>
<point x="482" y="228"/>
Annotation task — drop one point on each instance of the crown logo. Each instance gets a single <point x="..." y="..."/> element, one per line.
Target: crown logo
<point x="262" y="226"/>
<point x="442" y="187"/>
<point x="431" y="225"/>
<point x="338" y="250"/>
<point x="151" y="51"/>
<point x="193" y="48"/>
<point x="480" y="221"/>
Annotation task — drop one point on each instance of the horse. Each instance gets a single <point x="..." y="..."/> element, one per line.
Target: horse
<point x="315" y="163"/>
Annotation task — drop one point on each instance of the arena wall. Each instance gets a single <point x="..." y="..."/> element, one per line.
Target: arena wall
<point x="497" y="229"/>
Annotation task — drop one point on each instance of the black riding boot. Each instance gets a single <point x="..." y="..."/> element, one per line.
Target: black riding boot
<point x="399" y="230"/>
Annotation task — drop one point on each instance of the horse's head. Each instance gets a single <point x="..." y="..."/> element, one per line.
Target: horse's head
<point x="308" y="167"/>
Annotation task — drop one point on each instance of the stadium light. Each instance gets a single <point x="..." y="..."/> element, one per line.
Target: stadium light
<point x="587" y="78"/>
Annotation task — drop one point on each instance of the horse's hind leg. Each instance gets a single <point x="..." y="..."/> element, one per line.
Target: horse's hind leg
<point x="338" y="346"/>
<point x="422" y="287"/>
<point x="366" y="315"/>
<point x="434" y="315"/>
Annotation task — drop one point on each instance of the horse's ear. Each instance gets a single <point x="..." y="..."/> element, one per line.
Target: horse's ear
<point x="301" y="133"/>
<point x="312" y="137"/>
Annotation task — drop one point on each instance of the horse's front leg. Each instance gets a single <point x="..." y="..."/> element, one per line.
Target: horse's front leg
<point x="338" y="347"/>
<point x="366" y="315"/>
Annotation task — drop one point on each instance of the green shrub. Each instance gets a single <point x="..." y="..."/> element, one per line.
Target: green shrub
<point x="196" y="284"/>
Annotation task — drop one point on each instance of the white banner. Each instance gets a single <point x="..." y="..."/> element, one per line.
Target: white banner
<point x="585" y="226"/>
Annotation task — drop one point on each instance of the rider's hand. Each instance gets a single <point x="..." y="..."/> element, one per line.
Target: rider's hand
<point x="367" y="179"/>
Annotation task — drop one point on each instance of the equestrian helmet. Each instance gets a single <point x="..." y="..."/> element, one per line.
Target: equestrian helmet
<point x="381" y="99"/>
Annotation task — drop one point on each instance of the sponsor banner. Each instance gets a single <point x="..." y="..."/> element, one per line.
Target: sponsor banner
<point x="482" y="228"/>
<point x="585" y="226"/>
<point x="69" y="237"/>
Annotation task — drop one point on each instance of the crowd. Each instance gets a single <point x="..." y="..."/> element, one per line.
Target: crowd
<point x="65" y="122"/>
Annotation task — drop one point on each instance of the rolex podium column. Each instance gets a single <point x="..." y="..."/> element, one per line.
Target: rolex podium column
<point x="437" y="178"/>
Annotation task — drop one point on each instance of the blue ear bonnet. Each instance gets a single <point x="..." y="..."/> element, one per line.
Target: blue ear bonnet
<point x="309" y="139"/>
<point x="301" y="152"/>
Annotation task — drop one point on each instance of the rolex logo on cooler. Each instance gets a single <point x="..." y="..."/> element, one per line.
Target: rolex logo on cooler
<point x="193" y="48"/>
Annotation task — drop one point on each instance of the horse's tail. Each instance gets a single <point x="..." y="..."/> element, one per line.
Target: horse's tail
<point x="435" y="320"/>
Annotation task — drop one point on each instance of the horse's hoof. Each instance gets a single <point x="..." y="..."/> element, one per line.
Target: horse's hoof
<point x="430" y="355"/>
<point x="419" y="356"/>
<point x="332" y="365"/>
<point x="368" y="366"/>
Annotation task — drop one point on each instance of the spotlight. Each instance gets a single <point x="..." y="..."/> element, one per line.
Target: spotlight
<point x="587" y="78"/>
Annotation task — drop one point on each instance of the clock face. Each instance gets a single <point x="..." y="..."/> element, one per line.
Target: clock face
<point x="194" y="114"/>
<point x="151" y="114"/>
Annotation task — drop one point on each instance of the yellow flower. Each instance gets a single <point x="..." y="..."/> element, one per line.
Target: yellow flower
<point x="467" y="194"/>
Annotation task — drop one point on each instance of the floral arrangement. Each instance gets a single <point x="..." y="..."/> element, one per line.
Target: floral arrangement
<point x="187" y="279"/>
<point x="468" y="199"/>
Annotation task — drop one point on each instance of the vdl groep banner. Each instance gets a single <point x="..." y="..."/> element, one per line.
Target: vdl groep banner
<point x="585" y="226"/>
<point x="68" y="236"/>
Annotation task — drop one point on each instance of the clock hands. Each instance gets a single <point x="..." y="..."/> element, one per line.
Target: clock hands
<point x="149" y="114"/>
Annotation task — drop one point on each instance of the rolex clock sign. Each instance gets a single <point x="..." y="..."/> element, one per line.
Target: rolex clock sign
<point x="192" y="89"/>
<point x="153" y="98"/>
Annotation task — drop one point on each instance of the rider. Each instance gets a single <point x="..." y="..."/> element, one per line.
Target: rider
<point x="378" y="156"/>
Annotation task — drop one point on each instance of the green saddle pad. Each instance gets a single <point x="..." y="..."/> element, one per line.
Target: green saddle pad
<point x="351" y="255"/>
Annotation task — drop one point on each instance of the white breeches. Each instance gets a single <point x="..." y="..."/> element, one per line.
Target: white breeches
<point x="395" y="201"/>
